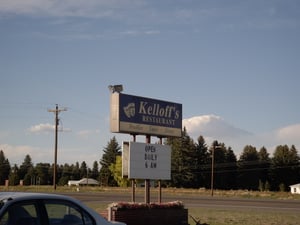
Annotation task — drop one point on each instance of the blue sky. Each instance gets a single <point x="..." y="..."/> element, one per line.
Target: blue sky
<point x="233" y="65"/>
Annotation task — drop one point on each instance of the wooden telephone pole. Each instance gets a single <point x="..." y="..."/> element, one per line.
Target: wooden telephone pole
<point x="56" y="111"/>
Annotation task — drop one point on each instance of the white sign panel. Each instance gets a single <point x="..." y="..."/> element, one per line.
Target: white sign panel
<point x="149" y="161"/>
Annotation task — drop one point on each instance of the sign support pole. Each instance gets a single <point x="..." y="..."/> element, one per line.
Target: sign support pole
<point x="147" y="181"/>
<point x="159" y="181"/>
<point x="132" y="180"/>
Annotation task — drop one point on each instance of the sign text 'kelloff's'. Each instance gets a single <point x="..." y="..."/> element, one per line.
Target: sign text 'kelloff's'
<point x="134" y="114"/>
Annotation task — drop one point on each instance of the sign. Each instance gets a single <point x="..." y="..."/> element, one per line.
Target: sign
<point x="147" y="161"/>
<point x="139" y="115"/>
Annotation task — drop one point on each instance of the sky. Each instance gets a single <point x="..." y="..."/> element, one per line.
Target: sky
<point x="233" y="65"/>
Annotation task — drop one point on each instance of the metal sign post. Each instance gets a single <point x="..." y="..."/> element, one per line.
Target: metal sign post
<point x="147" y="181"/>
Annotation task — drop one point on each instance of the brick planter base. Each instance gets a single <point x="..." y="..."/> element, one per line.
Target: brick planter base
<point x="150" y="216"/>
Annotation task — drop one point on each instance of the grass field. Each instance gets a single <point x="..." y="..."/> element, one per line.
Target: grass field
<point x="243" y="217"/>
<point x="233" y="217"/>
<point x="224" y="216"/>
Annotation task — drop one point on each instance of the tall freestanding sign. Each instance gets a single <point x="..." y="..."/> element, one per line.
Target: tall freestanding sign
<point x="139" y="115"/>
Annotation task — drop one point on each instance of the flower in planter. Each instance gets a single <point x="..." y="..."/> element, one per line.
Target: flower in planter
<point x="135" y="205"/>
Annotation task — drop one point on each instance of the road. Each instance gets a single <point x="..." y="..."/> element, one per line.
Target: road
<point x="191" y="201"/>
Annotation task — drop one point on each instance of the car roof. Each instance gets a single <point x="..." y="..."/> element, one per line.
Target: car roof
<point x="4" y="196"/>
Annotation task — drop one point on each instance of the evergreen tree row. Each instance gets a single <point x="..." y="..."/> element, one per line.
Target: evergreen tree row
<point x="192" y="165"/>
<point x="42" y="173"/>
<point x="254" y="170"/>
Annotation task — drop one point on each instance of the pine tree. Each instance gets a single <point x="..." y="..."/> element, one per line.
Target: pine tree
<point x="66" y="174"/>
<point x="4" y="168"/>
<point x="285" y="167"/>
<point x="83" y="170"/>
<point x="110" y="153"/>
<point x="75" y="172"/>
<point x="202" y="159"/>
<point x="13" y="175"/>
<point x="264" y="168"/>
<point x="248" y="177"/>
<point x="42" y="174"/>
<point x="183" y="161"/>
<point x="95" y="170"/>
<point x="230" y="171"/>
<point x="26" y="171"/>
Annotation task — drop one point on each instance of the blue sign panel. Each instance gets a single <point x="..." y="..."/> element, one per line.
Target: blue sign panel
<point x="142" y="110"/>
<point x="140" y="115"/>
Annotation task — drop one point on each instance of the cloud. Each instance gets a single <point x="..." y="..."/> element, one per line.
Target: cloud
<point x="151" y="32"/>
<point x="4" y="134"/>
<point x="212" y="126"/>
<point x="85" y="134"/>
<point x="40" y="128"/>
<point x="251" y="14"/>
<point x="69" y="8"/>
<point x="290" y="133"/>
<point x="16" y="154"/>
<point x="47" y="128"/>
<point x="23" y="7"/>
<point x="139" y="32"/>
<point x="73" y="155"/>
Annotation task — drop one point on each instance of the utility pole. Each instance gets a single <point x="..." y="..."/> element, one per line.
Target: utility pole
<point x="56" y="111"/>
<point x="212" y="171"/>
<point x="214" y="147"/>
